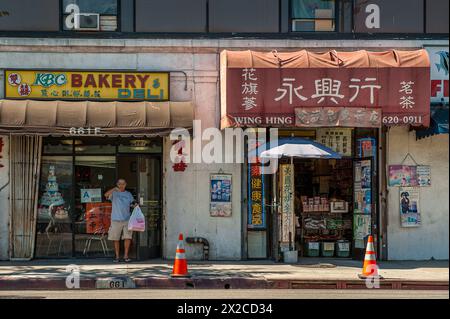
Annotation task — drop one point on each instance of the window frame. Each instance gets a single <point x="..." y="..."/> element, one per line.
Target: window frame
<point x="61" y="20"/>
<point x="335" y="19"/>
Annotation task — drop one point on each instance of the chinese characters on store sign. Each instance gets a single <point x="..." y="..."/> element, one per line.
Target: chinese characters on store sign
<point x="337" y="116"/>
<point x="256" y="208"/>
<point x="338" y="139"/>
<point x="249" y="88"/>
<point x="324" y="88"/>
<point x="287" y="225"/>
<point x="353" y="97"/>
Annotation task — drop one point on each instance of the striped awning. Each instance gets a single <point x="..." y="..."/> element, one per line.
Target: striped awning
<point x="58" y="117"/>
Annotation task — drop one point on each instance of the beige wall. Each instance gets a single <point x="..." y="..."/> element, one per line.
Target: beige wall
<point x="431" y="239"/>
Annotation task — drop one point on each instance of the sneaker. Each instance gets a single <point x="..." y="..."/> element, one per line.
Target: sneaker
<point x="116" y="260"/>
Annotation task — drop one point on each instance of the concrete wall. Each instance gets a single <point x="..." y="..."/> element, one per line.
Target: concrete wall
<point x="187" y="211"/>
<point x="431" y="239"/>
<point x="4" y="198"/>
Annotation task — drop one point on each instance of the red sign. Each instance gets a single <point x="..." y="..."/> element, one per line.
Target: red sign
<point x="1" y="151"/>
<point x="269" y="96"/>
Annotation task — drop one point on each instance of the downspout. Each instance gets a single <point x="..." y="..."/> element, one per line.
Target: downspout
<point x="384" y="202"/>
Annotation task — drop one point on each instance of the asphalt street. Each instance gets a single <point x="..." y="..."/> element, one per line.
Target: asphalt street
<point x="227" y="294"/>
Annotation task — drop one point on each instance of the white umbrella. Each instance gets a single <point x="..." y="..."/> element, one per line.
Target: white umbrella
<point x="296" y="150"/>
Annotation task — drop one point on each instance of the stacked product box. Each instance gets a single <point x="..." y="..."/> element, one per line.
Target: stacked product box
<point x="315" y="204"/>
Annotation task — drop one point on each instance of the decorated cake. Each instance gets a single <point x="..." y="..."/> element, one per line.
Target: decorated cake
<point x="51" y="196"/>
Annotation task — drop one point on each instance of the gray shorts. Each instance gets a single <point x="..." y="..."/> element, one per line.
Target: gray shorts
<point x="119" y="228"/>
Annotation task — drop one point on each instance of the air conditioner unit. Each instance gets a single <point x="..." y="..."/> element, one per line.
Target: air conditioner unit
<point x="87" y="21"/>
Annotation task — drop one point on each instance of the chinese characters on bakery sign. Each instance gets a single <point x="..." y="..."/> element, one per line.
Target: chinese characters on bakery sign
<point x="325" y="96"/>
<point x="86" y="85"/>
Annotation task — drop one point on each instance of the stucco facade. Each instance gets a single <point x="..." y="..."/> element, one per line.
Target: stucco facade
<point x="430" y="240"/>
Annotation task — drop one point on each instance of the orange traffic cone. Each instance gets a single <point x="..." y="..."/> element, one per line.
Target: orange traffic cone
<point x="180" y="265"/>
<point x="370" y="268"/>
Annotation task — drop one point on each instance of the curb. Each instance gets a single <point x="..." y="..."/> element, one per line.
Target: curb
<point x="8" y="283"/>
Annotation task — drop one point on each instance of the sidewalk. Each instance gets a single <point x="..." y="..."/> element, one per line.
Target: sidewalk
<point x="308" y="273"/>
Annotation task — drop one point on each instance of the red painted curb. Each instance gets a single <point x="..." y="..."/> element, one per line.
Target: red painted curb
<point x="41" y="284"/>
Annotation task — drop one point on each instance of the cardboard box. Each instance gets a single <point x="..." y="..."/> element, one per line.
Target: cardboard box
<point x="316" y="200"/>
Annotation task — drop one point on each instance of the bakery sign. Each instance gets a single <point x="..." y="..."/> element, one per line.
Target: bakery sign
<point x="354" y="89"/>
<point x="86" y="85"/>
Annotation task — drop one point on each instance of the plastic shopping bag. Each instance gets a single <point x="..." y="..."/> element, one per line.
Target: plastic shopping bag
<point x="137" y="220"/>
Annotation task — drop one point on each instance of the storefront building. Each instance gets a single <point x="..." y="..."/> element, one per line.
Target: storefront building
<point x="126" y="134"/>
<point x="72" y="135"/>
<point x="346" y="101"/>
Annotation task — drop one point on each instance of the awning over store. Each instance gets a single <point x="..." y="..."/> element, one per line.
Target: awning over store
<point x="438" y="123"/>
<point x="58" y="117"/>
<point x="303" y="88"/>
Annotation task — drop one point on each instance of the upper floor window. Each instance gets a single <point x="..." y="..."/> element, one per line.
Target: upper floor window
<point x="313" y="15"/>
<point x="90" y="15"/>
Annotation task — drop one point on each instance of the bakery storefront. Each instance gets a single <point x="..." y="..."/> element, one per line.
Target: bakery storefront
<point x="341" y="103"/>
<point x="72" y="135"/>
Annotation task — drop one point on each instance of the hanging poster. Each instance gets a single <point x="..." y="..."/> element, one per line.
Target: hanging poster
<point x="361" y="229"/>
<point x="220" y="199"/>
<point x="338" y="139"/>
<point x="287" y="203"/>
<point x="363" y="187"/>
<point x="423" y="175"/>
<point x="409" y="207"/>
<point x="367" y="147"/>
<point x="91" y="195"/>
<point x="402" y="175"/>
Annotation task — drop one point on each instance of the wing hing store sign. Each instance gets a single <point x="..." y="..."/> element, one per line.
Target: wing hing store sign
<point x="86" y="85"/>
<point x="354" y="89"/>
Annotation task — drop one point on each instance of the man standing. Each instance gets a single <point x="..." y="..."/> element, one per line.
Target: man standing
<point x="121" y="201"/>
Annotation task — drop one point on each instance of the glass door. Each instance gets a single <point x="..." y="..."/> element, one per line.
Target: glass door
<point x="149" y="197"/>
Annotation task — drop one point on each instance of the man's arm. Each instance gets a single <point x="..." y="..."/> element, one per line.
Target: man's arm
<point x="109" y="193"/>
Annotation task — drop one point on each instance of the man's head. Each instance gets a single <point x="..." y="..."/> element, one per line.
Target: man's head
<point x="121" y="184"/>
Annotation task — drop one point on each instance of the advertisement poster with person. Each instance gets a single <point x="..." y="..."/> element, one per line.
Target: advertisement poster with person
<point x="220" y="198"/>
<point x="409" y="207"/>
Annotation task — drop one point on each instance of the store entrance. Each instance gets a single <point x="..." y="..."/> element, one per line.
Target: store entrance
<point x="327" y="207"/>
<point x="323" y="207"/>
<point x="143" y="176"/>
<point x="73" y="214"/>
<point x="333" y="206"/>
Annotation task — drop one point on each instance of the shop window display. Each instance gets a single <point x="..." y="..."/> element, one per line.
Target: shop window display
<point x="92" y="214"/>
<point x="54" y="227"/>
<point x="335" y="199"/>
<point x="323" y="203"/>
